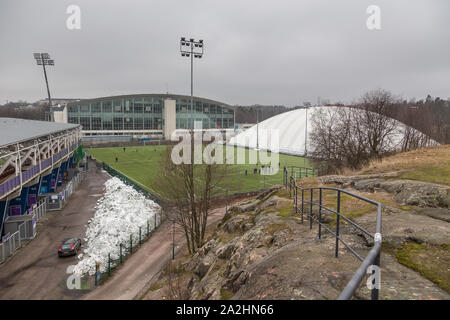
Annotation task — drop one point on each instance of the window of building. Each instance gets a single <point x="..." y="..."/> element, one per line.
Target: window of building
<point x="138" y="124"/>
<point x="73" y="109"/>
<point x="157" y="108"/>
<point x="118" y="123"/>
<point x="85" y="123"/>
<point x="84" y="108"/>
<point x="138" y="108"/>
<point x="107" y="106"/>
<point x="73" y="119"/>
<point x="96" y="123"/>
<point x="148" y="123"/>
<point x="96" y="107"/>
<point x="128" y="106"/>
<point x="107" y="125"/>
<point x="128" y="123"/>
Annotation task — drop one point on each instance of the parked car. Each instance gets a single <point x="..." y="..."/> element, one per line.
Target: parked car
<point x="69" y="247"/>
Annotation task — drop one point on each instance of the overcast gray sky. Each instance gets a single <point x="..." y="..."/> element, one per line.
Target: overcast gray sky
<point x="256" y="51"/>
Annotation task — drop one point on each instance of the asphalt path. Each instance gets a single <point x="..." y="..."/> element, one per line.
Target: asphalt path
<point x="35" y="271"/>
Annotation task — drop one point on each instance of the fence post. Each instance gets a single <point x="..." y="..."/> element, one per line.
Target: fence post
<point x="97" y="268"/>
<point x="375" y="290"/>
<point x="303" y="196"/>
<point x="337" y="222"/>
<point x="140" y="239"/>
<point x="320" y="212"/>
<point x="148" y="228"/>
<point x="154" y="228"/>
<point x="226" y="202"/>
<point x="109" y="263"/>
<point x="131" y="243"/>
<point x="311" y="208"/>
<point x="290" y="188"/>
<point x="120" y="256"/>
<point x="296" y="199"/>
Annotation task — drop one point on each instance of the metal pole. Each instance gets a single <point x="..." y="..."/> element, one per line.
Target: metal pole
<point x="306" y="130"/>
<point x="109" y="263"/>
<point x="131" y="243"/>
<point x="375" y="290"/>
<point x="320" y="212"/>
<point x="303" y="197"/>
<point x="296" y="198"/>
<point x="337" y="222"/>
<point x="46" y="82"/>
<point x="120" y="259"/>
<point x="140" y="239"/>
<point x="192" y="85"/>
<point x="173" y="240"/>
<point x="226" y="202"/>
<point x="311" y="209"/>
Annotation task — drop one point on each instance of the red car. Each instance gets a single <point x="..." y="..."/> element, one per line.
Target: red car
<point x="69" y="247"/>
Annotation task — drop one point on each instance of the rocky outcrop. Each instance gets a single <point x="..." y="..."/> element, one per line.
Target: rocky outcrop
<point x="406" y="192"/>
<point x="261" y="251"/>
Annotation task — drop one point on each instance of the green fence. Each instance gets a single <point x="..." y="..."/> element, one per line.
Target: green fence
<point x="125" y="249"/>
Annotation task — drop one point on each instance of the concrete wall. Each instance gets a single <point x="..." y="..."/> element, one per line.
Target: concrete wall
<point x="60" y="116"/>
<point x="169" y="118"/>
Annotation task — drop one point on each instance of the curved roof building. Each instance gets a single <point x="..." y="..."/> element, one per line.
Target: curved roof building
<point x="145" y="114"/>
<point x="291" y="131"/>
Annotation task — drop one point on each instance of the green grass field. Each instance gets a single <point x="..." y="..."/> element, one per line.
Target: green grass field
<point x="141" y="164"/>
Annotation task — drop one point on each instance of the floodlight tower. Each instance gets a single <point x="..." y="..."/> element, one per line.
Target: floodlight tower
<point x="194" y="50"/>
<point x="43" y="59"/>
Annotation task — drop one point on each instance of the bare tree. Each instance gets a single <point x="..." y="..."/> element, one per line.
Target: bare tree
<point x="350" y="137"/>
<point x="187" y="190"/>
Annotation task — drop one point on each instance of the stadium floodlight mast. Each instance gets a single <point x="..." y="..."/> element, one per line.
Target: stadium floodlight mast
<point x="43" y="59"/>
<point x="191" y="49"/>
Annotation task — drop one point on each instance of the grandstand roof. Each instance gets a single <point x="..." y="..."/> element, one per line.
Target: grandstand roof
<point x="18" y="130"/>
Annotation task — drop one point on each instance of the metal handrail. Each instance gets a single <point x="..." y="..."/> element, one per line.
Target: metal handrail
<point x="372" y="258"/>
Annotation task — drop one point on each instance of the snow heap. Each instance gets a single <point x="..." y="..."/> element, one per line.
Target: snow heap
<point x="119" y="213"/>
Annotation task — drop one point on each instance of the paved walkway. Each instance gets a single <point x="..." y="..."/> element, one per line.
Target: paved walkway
<point x="36" y="271"/>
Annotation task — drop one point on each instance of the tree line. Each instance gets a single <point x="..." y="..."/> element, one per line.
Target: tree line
<point x="351" y="137"/>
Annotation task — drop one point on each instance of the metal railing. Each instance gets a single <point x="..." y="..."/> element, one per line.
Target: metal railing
<point x="25" y="231"/>
<point x="40" y="210"/>
<point x="372" y="258"/>
<point x="10" y="243"/>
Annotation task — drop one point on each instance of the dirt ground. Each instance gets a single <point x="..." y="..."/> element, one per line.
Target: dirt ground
<point x="36" y="271"/>
<point x="132" y="279"/>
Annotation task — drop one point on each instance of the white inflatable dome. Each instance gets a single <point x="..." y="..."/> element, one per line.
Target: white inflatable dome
<point x="293" y="129"/>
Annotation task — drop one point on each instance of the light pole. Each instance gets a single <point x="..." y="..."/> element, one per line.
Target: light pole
<point x="173" y="240"/>
<point x="43" y="59"/>
<point x="191" y="49"/>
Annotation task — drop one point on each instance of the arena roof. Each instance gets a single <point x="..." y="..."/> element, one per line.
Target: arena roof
<point x="18" y="130"/>
<point x="151" y="95"/>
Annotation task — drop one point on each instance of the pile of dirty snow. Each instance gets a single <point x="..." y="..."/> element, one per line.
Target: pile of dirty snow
<point x="119" y="214"/>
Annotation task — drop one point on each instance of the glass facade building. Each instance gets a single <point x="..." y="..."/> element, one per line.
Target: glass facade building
<point x="145" y="113"/>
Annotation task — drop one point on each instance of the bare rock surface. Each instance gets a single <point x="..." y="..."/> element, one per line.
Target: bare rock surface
<point x="259" y="254"/>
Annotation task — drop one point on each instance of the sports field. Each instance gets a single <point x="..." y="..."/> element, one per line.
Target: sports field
<point x="141" y="164"/>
